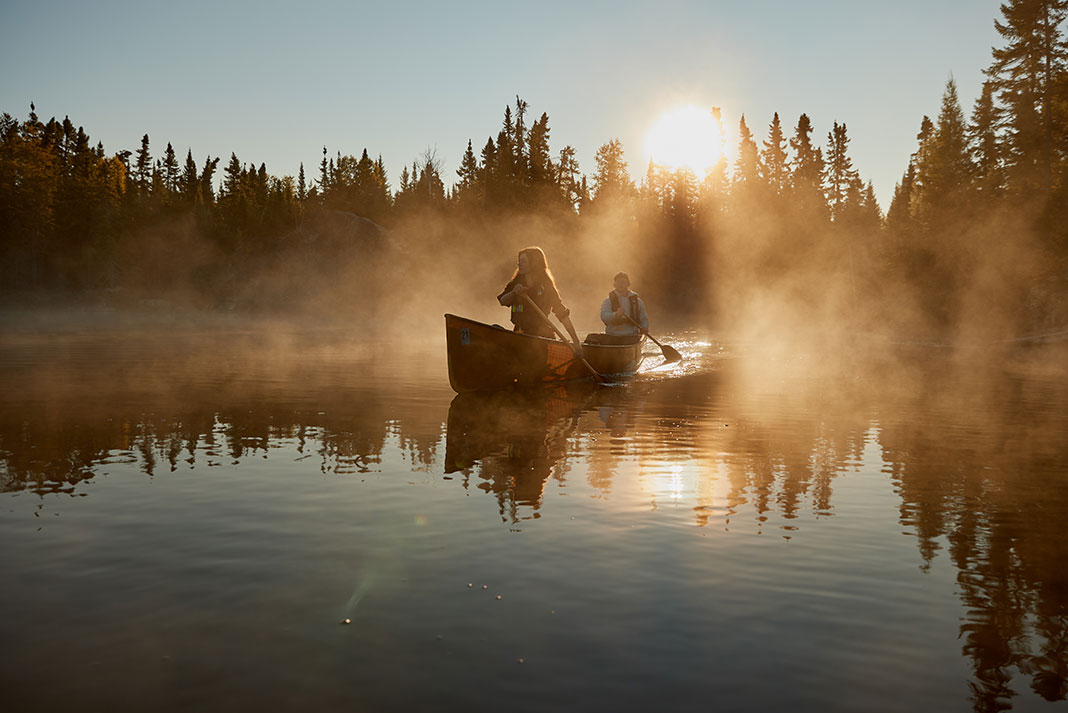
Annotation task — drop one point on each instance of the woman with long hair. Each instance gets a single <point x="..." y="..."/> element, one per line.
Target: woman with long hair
<point x="533" y="279"/>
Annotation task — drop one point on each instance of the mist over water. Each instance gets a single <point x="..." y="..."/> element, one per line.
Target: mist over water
<point x="206" y="505"/>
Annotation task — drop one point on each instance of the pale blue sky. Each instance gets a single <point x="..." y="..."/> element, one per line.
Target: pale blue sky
<point x="275" y="81"/>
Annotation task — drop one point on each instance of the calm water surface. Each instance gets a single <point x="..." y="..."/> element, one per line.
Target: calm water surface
<point x="188" y="518"/>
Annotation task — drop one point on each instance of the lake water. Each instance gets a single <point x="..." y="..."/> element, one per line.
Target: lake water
<point x="190" y="517"/>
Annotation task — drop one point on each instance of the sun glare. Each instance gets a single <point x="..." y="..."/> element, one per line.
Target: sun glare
<point x="687" y="137"/>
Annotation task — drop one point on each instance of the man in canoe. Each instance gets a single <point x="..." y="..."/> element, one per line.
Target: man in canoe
<point x="534" y="280"/>
<point x="623" y="312"/>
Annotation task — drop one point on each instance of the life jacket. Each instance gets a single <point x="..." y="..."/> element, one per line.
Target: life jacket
<point x="613" y="297"/>
<point x="527" y="320"/>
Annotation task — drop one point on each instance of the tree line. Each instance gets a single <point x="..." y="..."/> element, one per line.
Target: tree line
<point x="782" y="208"/>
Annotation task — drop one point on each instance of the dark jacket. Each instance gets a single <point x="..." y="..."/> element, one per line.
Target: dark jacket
<point x="545" y="297"/>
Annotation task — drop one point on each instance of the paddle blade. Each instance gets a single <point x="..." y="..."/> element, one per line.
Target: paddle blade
<point x="671" y="355"/>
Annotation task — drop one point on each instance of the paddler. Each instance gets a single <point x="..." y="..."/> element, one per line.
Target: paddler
<point x="533" y="278"/>
<point x="623" y="308"/>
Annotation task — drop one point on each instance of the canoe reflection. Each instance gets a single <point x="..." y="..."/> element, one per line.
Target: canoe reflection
<point x="515" y="438"/>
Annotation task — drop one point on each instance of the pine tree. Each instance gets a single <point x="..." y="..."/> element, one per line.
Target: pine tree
<point x="521" y="166"/>
<point x="773" y="158"/>
<point x="943" y="170"/>
<point x="1028" y="74"/>
<point x="324" y="178"/>
<point x="899" y="216"/>
<point x="806" y="175"/>
<point x="539" y="161"/>
<point x="924" y="146"/>
<point x="504" y="170"/>
<point x="469" y="188"/>
<point x="232" y="177"/>
<point x="468" y="171"/>
<point x="170" y="170"/>
<point x="871" y="215"/>
<point x="488" y="172"/>
<point x="611" y="181"/>
<point x="567" y="178"/>
<point x="158" y="189"/>
<point x="840" y="174"/>
<point x="142" y="173"/>
<point x="381" y="202"/>
<point x="189" y="183"/>
<point x="206" y="193"/>
<point x="984" y="143"/>
<point x="747" y="167"/>
<point x="302" y="188"/>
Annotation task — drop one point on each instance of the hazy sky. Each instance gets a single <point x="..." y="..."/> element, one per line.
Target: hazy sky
<point x="274" y="82"/>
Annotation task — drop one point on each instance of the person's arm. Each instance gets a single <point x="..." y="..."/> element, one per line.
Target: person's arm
<point x="611" y="318"/>
<point x="644" y="318"/>
<point x="607" y="315"/>
<point x="512" y="294"/>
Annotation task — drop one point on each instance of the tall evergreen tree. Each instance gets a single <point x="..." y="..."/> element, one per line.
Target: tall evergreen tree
<point x="521" y="166"/>
<point x="206" y="193"/>
<point x="232" y="182"/>
<point x="539" y="161"/>
<point x="1028" y="73"/>
<point x="841" y="177"/>
<point x="773" y="158"/>
<point x="806" y="171"/>
<point x="612" y="184"/>
<point x="747" y="169"/>
<point x="899" y="216"/>
<point x="944" y="169"/>
<point x="189" y="183"/>
<point x="469" y="190"/>
<point x="324" y="178"/>
<point x="170" y="170"/>
<point x="488" y="173"/>
<point x="984" y="144"/>
<point x="572" y="187"/>
<point x="468" y="171"/>
<point x="505" y="168"/>
<point x="142" y="173"/>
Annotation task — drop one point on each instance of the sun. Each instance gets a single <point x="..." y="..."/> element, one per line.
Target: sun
<point x="686" y="137"/>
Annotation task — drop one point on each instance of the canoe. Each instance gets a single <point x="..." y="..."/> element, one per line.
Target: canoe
<point x="488" y="356"/>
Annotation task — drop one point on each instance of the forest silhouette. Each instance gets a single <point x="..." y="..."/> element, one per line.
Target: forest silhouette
<point x="973" y="246"/>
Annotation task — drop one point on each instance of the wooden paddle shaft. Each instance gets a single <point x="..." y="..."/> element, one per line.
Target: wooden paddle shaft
<point x="560" y="334"/>
<point x="670" y="353"/>
<point x="643" y="331"/>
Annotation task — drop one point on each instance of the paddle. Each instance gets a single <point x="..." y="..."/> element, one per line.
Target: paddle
<point x="596" y="376"/>
<point x="671" y="355"/>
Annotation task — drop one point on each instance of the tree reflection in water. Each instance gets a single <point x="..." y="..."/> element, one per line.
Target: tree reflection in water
<point x="517" y="438"/>
<point x="976" y="453"/>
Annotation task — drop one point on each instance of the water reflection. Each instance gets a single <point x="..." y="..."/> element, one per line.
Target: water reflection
<point x="979" y="460"/>
<point x="992" y="482"/>
<point x="516" y="438"/>
<point x="976" y="456"/>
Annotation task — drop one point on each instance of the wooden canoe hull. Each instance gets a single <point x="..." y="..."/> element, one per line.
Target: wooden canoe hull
<point x="485" y="356"/>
